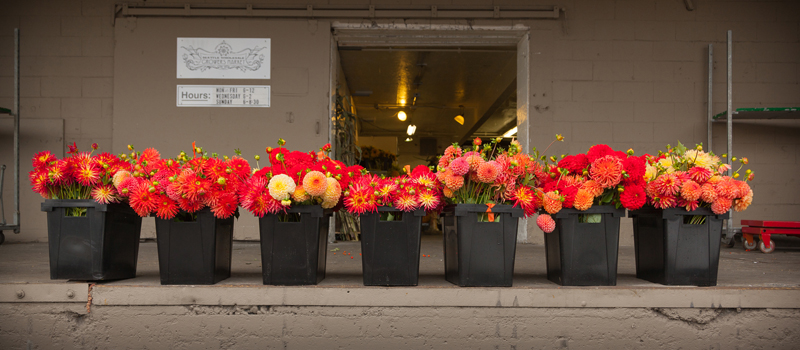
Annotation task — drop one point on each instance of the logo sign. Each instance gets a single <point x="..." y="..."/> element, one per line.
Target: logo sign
<point x="223" y="58"/>
<point x="223" y="96"/>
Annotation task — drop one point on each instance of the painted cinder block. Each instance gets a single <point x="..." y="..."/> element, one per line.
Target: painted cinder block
<point x="60" y="87"/>
<point x="592" y="91"/>
<point x="81" y="108"/>
<point x="632" y="132"/>
<point x="614" y="30"/>
<point x="572" y="70"/>
<point x="655" y="30"/>
<point x="97" y="87"/>
<point x="613" y="70"/>
<point x="653" y="111"/>
<point x="102" y="46"/>
<point x="633" y="91"/>
<point x="632" y="50"/>
<point x="667" y="91"/>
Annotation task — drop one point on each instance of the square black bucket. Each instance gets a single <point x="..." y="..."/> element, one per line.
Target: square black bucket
<point x="478" y="253"/>
<point x="194" y="252"/>
<point x="390" y="249"/>
<point x="583" y="252"/>
<point x="103" y="245"/>
<point x="672" y="252"/>
<point x="293" y="251"/>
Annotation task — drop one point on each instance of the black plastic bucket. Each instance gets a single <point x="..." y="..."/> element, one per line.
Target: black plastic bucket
<point x="293" y="252"/>
<point x="390" y="249"/>
<point x="672" y="252"/>
<point x="194" y="252"/>
<point x="479" y="253"/>
<point x="584" y="253"/>
<point x="103" y="245"/>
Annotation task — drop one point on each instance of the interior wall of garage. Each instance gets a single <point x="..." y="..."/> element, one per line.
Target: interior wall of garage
<point x="631" y="74"/>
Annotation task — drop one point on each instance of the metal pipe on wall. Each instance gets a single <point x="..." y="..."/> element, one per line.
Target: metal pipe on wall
<point x="16" y="130"/>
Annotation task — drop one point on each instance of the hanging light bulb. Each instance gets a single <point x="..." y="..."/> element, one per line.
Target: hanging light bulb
<point x="460" y="116"/>
<point x="411" y="129"/>
<point x="408" y="139"/>
<point x="402" y="116"/>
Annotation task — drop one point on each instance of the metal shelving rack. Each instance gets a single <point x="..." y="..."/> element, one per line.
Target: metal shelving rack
<point x="739" y="114"/>
<point x="15" y="113"/>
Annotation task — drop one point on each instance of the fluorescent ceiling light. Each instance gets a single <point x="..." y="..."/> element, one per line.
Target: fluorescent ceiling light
<point x="411" y="130"/>
<point x="402" y="116"/>
<point x="511" y="132"/>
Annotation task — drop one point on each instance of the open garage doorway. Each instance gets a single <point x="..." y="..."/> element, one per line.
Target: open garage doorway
<point x="416" y="90"/>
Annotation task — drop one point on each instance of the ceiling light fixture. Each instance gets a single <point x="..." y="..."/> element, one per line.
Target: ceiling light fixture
<point x="510" y="132"/>
<point x="408" y="139"/>
<point x="460" y="117"/>
<point x="402" y="116"/>
<point x="411" y="129"/>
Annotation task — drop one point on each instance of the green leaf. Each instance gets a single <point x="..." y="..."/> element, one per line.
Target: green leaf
<point x="680" y="149"/>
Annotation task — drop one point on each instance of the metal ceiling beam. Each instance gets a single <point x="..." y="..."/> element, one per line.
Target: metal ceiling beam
<point x="337" y="11"/>
<point x="498" y="103"/>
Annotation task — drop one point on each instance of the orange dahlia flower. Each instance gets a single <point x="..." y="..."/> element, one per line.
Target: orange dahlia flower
<point x="607" y="171"/>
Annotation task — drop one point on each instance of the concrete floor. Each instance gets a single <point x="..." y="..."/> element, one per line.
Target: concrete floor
<point x="28" y="263"/>
<point x="755" y="305"/>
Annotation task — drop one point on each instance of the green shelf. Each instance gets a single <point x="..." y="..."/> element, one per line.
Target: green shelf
<point x="761" y="113"/>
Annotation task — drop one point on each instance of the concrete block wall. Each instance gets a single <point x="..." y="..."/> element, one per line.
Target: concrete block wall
<point x="631" y="74"/>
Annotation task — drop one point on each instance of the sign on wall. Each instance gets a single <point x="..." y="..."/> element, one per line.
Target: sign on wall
<point x="223" y="58"/>
<point x="223" y="96"/>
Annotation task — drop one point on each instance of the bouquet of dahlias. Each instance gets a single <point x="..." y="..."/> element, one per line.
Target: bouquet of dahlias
<point x="601" y="176"/>
<point x="296" y="178"/>
<point x="489" y="175"/>
<point x="691" y="178"/>
<point x="81" y="175"/>
<point x="167" y="186"/>
<point x="415" y="190"/>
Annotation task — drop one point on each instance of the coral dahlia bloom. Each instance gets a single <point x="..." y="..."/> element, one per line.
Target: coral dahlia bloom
<point x="552" y="202"/>
<point x="315" y="183"/>
<point x="447" y="192"/>
<point x="488" y="171"/>
<point x="607" y="171"/>
<point x="592" y="187"/>
<point x="546" y="223"/>
<point x="281" y="186"/>
<point x="475" y="160"/>
<point x="727" y="189"/>
<point x="691" y="191"/>
<point x="744" y="202"/>
<point x="709" y="194"/>
<point x="722" y="205"/>
<point x="583" y="200"/>
<point x="454" y="182"/>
